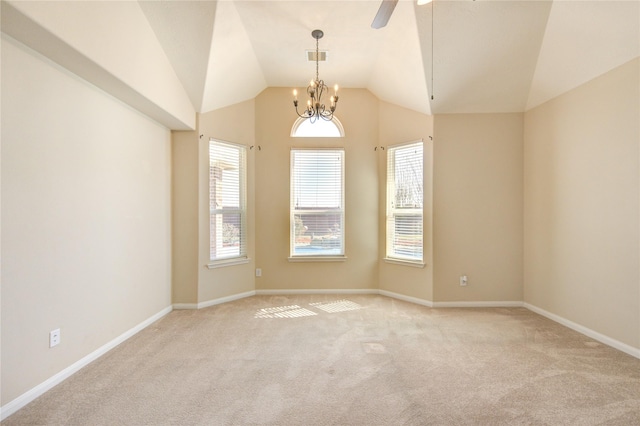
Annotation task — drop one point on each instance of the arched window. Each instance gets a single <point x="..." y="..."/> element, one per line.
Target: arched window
<point x="304" y="128"/>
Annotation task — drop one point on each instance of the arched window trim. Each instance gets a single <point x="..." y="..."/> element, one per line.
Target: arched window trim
<point x="301" y="120"/>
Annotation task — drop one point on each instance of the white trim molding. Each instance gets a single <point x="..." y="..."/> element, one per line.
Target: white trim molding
<point x="417" y="301"/>
<point x="317" y="258"/>
<point x="226" y="299"/>
<point x="184" y="306"/>
<point x="404" y="262"/>
<point x="32" y="394"/>
<point x="316" y="291"/>
<point x="213" y="302"/>
<point x="479" y="304"/>
<point x="214" y="264"/>
<point x="616" y="344"/>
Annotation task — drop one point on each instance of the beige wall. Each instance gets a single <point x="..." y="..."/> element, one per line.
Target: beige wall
<point x="86" y="232"/>
<point x="581" y="205"/>
<point x="478" y="207"/>
<point x="127" y="61"/>
<point x="358" y="112"/>
<point x="184" y="216"/>
<point x="232" y="124"/>
<point x="398" y="125"/>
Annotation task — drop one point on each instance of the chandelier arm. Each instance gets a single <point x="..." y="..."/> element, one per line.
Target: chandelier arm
<point x="305" y="114"/>
<point x="327" y="115"/>
<point x="312" y="91"/>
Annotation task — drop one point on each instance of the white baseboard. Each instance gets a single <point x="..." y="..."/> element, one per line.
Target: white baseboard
<point x="30" y="395"/>
<point x="226" y="299"/>
<point x="417" y="301"/>
<point x="616" y="344"/>
<point x="480" y="304"/>
<point x="213" y="302"/>
<point x="183" y="306"/>
<point x="462" y="304"/>
<point x="315" y="291"/>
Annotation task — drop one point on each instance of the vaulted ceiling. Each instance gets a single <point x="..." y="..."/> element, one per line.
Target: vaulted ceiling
<point x="172" y="58"/>
<point x="471" y="56"/>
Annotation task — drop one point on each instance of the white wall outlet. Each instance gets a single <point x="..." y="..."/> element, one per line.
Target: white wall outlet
<point x="258" y="272"/>
<point x="54" y="338"/>
<point x="463" y="280"/>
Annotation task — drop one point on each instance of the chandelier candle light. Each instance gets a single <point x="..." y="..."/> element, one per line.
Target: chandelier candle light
<point x="315" y="108"/>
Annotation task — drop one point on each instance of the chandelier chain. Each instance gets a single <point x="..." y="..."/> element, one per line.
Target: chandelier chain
<point x="317" y="59"/>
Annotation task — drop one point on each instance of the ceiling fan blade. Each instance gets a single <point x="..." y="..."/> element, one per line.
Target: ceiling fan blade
<point x="384" y="13"/>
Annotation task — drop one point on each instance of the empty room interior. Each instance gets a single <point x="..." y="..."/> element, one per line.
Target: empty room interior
<point x="158" y="191"/>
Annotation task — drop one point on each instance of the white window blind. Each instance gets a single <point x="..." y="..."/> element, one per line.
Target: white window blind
<point x="317" y="202"/>
<point x="405" y="202"/>
<point x="227" y="200"/>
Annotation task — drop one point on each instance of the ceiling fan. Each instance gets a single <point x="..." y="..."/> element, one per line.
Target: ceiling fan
<point x="384" y="13"/>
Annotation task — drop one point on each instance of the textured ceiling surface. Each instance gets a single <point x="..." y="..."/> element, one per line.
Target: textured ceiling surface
<point x="470" y="56"/>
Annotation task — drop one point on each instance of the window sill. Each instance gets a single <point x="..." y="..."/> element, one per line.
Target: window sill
<point x="317" y="259"/>
<point x="412" y="263"/>
<point x="228" y="262"/>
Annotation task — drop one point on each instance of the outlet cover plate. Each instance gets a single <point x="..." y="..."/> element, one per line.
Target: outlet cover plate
<point x="54" y="338"/>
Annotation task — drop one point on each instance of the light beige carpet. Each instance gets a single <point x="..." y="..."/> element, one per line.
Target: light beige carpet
<point x="356" y="360"/>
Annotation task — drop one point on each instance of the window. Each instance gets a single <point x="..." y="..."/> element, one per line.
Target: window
<point x="317" y="202"/>
<point x="305" y="128"/>
<point x="227" y="201"/>
<point x="405" y="202"/>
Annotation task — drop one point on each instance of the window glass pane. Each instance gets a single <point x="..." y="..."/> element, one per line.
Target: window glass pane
<point x="304" y="128"/>
<point x="317" y="234"/>
<point x="407" y="236"/>
<point x="408" y="177"/>
<point x="405" y="199"/>
<point x="317" y="200"/>
<point x="228" y="225"/>
<point x="227" y="203"/>
<point x="317" y="179"/>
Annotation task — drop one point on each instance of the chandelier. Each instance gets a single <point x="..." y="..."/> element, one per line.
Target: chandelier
<point x="315" y="109"/>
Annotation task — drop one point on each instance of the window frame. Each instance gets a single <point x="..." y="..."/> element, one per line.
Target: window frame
<point x="393" y="212"/>
<point x="241" y="210"/>
<point x="337" y="257"/>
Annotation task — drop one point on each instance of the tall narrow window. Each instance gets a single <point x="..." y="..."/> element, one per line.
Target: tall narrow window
<point x="405" y="202"/>
<point x="227" y="201"/>
<point x="317" y="202"/>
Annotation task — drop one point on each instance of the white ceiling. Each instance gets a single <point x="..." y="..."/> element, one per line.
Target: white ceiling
<point x="488" y="55"/>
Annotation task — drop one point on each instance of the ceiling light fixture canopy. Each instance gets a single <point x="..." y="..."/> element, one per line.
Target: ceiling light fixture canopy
<point x="315" y="109"/>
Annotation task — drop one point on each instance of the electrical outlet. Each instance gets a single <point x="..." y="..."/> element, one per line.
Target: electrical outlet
<point x="463" y="280"/>
<point x="258" y="272"/>
<point x="54" y="338"/>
